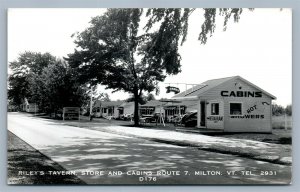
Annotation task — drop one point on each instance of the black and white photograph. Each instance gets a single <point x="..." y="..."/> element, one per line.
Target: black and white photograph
<point x="149" y="96"/>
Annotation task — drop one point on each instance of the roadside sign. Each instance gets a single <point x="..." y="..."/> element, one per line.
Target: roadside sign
<point x="71" y="113"/>
<point x="172" y="89"/>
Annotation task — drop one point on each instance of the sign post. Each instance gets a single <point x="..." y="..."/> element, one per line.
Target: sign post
<point x="71" y="112"/>
<point x="91" y="104"/>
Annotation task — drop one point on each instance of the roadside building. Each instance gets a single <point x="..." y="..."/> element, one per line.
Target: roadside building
<point x="29" y="107"/>
<point x="126" y="109"/>
<point x="231" y="104"/>
<point x="151" y="107"/>
<point x="171" y="108"/>
<point x="107" y="108"/>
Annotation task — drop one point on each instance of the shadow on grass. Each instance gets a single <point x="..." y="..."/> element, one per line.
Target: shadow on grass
<point x="23" y="160"/>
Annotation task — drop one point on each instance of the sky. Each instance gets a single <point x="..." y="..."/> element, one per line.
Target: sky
<point x="257" y="48"/>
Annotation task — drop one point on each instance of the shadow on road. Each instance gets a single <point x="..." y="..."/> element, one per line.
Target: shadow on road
<point x="127" y="154"/>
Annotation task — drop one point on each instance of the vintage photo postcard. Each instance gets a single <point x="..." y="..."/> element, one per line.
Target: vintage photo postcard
<point x="149" y="96"/>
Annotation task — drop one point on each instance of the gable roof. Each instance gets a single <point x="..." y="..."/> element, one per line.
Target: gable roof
<point x="152" y="103"/>
<point x="186" y="103"/>
<point x="127" y="104"/>
<point x="203" y="87"/>
<point x="258" y="88"/>
<point x="108" y="103"/>
<point x="200" y="89"/>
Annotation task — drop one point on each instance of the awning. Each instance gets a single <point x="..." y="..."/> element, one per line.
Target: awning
<point x="188" y="98"/>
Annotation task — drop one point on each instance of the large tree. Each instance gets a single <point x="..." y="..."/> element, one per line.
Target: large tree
<point x="119" y="53"/>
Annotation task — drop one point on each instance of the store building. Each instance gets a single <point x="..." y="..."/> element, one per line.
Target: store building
<point x="231" y="104"/>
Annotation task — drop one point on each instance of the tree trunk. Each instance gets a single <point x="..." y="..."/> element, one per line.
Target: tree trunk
<point x="136" y="109"/>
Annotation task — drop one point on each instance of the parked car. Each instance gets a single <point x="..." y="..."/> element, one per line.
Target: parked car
<point x="189" y="119"/>
<point x="126" y="117"/>
<point x="151" y="118"/>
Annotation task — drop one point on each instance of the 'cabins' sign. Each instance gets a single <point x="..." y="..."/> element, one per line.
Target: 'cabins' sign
<point x="241" y="93"/>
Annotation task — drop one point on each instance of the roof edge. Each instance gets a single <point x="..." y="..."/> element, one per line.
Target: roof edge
<point x="229" y="78"/>
<point x="255" y="86"/>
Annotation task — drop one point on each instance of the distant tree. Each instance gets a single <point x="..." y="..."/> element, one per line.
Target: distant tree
<point x="57" y="88"/>
<point x="44" y="80"/>
<point x="277" y="110"/>
<point x="142" y="100"/>
<point x="97" y="97"/>
<point x="150" y="97"/>
<point x="17" y="89"/>
<point x="23" y="69"/>
<point x="288" y="110"/>
<point x="115" y="52"/>
<point x="105" y="97"/>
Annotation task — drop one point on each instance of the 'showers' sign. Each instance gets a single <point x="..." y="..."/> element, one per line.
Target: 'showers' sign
<point x="241" y="93"/>
<point x="248" y="117"/>
<point x="172" y="89"/>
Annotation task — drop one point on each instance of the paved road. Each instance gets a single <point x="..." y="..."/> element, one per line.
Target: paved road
<point x="89" y="152"/>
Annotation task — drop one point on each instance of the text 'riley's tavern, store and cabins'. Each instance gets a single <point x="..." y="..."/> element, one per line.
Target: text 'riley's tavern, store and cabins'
<point x="231" y="104"/>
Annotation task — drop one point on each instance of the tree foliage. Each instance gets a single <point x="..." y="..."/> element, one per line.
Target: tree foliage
<point x="150" y="97"/>
<point x="288" y="110"/>
<point x="143" y="98"/>
<point x="57" y="88"/>
<point x="207" y="27"/>
<point x="44" y="80"/>
<point x="278" y="110"/>
<point x="23" y="69"/>
<point x="119" y="53"/>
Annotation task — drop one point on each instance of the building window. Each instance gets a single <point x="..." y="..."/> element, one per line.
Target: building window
<point x="235" y="108"/>
<point x="147" y="110"/>
<point x="215" y="108"/>
<point x="104" y="110"/>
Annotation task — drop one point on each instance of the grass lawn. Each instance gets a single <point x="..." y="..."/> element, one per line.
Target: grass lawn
<point x="22" y="157"/>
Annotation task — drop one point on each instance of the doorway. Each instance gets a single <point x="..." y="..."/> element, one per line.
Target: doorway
<point x="203" y="114"/>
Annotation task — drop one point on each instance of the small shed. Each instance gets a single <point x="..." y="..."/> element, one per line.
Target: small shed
<point x="231" y="104"/>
